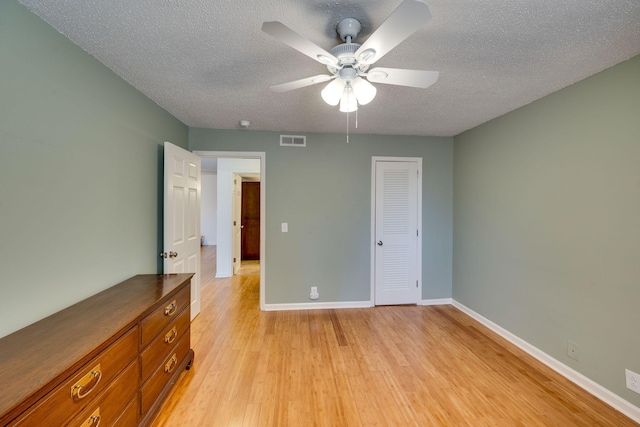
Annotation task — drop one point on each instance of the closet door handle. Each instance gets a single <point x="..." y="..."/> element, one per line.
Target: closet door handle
<point x="379" y="242"/>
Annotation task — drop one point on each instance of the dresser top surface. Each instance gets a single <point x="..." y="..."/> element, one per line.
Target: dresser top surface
<point x="36" y="355"/>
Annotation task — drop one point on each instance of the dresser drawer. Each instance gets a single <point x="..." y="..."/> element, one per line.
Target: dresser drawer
<point x="89" y="381"/>
<point x="163" y="343"/>
<point x="153" y="387"/>
<point x="129" y="416"/>
<point x="156" y="321"/>
<point x="105" y="409"/>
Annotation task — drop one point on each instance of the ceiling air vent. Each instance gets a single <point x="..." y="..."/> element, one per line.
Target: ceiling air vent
<point x="293" y="141"/>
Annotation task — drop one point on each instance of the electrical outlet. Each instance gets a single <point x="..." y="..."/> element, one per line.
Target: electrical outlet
<point x="314" y="289"/>
<point x="572" y="350"/>
<point x="314" y="293"/>
<point x="633" y="381"/>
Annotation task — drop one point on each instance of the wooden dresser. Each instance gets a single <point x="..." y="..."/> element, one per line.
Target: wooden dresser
<point x="109" y="360"/>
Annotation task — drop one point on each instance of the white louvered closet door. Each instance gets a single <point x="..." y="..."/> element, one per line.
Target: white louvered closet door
<point x="396" y="228"/>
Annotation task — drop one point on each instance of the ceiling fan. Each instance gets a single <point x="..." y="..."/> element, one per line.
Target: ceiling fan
<point x="348" y="63"/>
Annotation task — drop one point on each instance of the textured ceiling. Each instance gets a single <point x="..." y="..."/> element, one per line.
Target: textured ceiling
<point x="209" y="64"/>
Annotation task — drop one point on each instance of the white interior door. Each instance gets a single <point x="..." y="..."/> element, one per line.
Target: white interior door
<point x="396" y="235"/>
<point x="182" y="217"/>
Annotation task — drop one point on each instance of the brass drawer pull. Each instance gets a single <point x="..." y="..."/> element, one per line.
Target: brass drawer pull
<point x="171" y="364"/>
<point x="77" y="388"/>
<point x="93" y="420"/>
<point x="171" y="335"/>
<point x="171" y="308"/>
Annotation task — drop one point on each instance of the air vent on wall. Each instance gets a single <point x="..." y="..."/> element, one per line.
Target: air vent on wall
<point x="293" y="140"/>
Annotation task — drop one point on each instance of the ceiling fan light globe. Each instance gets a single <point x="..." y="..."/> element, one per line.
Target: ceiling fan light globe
<point x="364" y="91"/>
<point x="348" y="101"/>
<point x="332" y="92"/>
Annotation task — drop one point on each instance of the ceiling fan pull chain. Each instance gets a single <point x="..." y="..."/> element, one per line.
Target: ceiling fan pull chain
<point x="347" y="127"/>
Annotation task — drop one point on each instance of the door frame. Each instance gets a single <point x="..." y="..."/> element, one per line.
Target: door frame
<point x="236" y="238"/>
<point x="263" y="186"/>
<point x="418" y="161"/>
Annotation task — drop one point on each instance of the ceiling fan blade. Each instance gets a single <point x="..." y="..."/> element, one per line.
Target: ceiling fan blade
<point x="396" y="76"/>
<point x="286" y="35"/>
<point x="285" y="87"/>
<point x="404" y="21"/>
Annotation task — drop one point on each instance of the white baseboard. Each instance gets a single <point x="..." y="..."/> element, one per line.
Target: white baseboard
<point x="439" y="301"/>
<point x="343" y="304"/>
<point x="317" y="305"/>
<point x="607" y="396"/>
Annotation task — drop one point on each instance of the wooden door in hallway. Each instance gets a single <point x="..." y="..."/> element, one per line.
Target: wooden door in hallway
<point x="250" y="234"/>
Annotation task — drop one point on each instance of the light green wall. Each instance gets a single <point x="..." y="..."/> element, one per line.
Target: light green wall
<point x="80" y="151"/>
<point x="547" y="223"/>
<point x="324" y="192"/>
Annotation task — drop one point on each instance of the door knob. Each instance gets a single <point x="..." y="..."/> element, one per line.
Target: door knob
<point x="379" y="242"/>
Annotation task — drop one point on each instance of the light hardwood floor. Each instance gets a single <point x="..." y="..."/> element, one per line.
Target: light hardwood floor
<point x="383" y="366"/>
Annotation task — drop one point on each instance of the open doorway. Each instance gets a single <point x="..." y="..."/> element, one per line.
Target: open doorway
<point x="232" y="170"/>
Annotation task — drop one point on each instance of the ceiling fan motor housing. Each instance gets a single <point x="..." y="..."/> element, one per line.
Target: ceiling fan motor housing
<point x="345" y="53"/>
